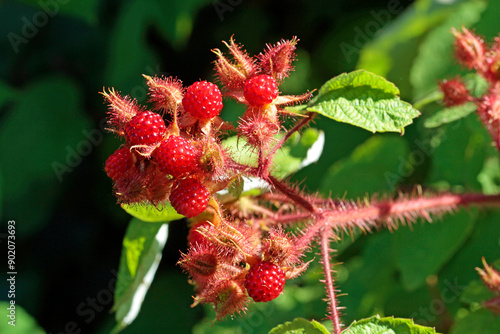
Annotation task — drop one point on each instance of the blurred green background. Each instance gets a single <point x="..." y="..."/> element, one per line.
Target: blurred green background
<point x="57" y="55"/>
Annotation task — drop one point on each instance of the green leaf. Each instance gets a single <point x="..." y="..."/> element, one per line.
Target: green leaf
<point x="298" y="151"/>
<point x="422" y="250"/>
<point x="393" y="48"/>
<point x="128" y="38"/>
<point x="141" y="254"/>
<point x="300" y="326"/>
<point x="489" y="25"/>
<point x="489" y="178"/>
<point x="24" y="322"/>
<point x="364" y="99"/>
<point x="374" y="166"/>
<point x="475" y="293"/>
<point x="166" y="308"/>
<point x="484" y="241"/>
<point x="466" y="141"/>
<point x="371" y="277"/>
<point x="152" y="214"/>
<point x="389" y="325"/>
<point x="449" y="115"/>
<point x="49" y="123"/>
<point x="236" y="187"/>
<point x="476" y="84"/>
<point x="435" y="58"/>
<point x="358" y="78"/>
<point x="481" y="321"/>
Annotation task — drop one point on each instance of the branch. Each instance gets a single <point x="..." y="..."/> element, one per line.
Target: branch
<point x="291" y="193"/>
<point x="330" y="289"/>
<point x="401" y="210"/>
<point x="296" y="128"/>
<point x="265" y="164"/>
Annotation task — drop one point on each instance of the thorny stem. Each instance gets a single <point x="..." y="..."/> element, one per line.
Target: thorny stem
<point x="267" y="160"/>
<point x="348" y="216"/>
<point x="292" y="194"/>
<point x="330" y="289"/>
<point x="393" y="210"/>
<point x="290" y="132"/>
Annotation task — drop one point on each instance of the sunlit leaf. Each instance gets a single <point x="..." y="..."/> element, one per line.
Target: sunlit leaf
<point x="298" y="152"/>
<point x="20" y="323"/>
<point x="449" y="115"/>
<point x="366" y="100"/>
<point x="152" y="214"/>
<point x="141" y="254"/>
<point x="378" y="325"/>
<point x="300" y="326"/>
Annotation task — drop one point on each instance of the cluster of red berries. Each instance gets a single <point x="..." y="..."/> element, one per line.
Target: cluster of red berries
<point x="153" y="151"/>
<point x="231" y="261"/>
<point x="182" y="162"/>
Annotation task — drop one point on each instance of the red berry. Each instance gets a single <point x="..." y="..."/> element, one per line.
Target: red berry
<point x="454" y="92"/>
<point x="145" y="128"/>
<point x="195" y="237"/>
<point x="189" y="197"/>
<point x="202" y="100"/>
<point x="260" y="90"/>
<point x="176" y="156"/>
<point x="118" y="163"/>
<point x="264" y="281"/>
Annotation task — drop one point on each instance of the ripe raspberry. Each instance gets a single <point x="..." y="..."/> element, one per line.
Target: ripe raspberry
<point x="146" y="128"/>
<point x="264" y="281"/>
<point x="195" y="237"/>
<point x="118" y="163"/>
<point x="189" y="197"/>
<point x="176" y="156"/>
<point x="202" y="100"/>
<point x="260" y="90"/>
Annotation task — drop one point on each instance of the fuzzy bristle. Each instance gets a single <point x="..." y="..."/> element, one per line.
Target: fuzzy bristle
<point x="165" y="94"/>
<point x="277" y="59"/>
<point x="121" y="109"/>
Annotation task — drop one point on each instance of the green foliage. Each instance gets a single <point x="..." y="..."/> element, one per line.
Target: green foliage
<point x="435" y="58"/>
<point x="449" y="115"/>
<point x="289" y="159"/>
<point x="422" y="251"/>
<point x="141" y="254"/>
<point x="391" y="53"/>
<point x="152" y="214"/>
<point x="300" y="326"/>
<point x="378" y="325"/>
<point x="480" y="321"/>
<point x="23" y="323"/>
<point x="374" y="166"/>
<point x="465" y="141"/>
<point x="44" y="137"/>
<point x="363" y="99"/>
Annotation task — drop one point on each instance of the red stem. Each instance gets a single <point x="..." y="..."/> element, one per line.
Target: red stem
<point x="349" y="215"/>
<point x="330" y="289"/>
<point x="296" y="128"/>
<point x="393" y="210"/>
<point x="291" y="193"/>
